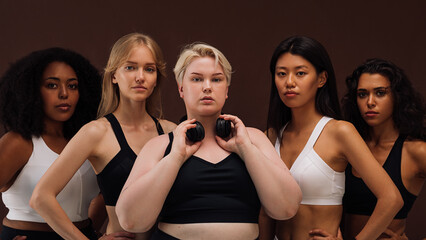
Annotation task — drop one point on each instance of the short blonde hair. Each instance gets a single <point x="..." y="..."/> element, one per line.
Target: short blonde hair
<point x="120" y="52"/>
<point x="195" y="50"/>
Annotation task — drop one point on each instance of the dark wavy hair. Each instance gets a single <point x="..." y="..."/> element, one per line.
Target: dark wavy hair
<point x="326" y="100"/>
<point x="408" y="109"/>
<point x="21" y="105"/>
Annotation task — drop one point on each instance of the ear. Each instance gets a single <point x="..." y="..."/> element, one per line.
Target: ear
<point x="113" y="79"/>
<point x="180" y="89"/>
<point x="227" y="87"/>
<point x="322" y="79"/>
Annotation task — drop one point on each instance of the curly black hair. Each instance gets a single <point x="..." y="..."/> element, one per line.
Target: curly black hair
<point x="409" y="108"/>
<point x="21" y="105"/>
<point x="326" y="100"/>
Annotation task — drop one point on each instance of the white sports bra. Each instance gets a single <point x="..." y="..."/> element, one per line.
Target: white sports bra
<point x="320" y="184"/>
<point x="75" y="198"/>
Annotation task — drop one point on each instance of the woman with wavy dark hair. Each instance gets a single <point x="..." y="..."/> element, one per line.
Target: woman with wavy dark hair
<point x="390" y="115"/>
<point x="316" y="146"/>
<point x="45" y="98"/>
<point x="128" y="116"/>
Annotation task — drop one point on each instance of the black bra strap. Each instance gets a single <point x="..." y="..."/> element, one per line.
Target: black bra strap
<point x="158" y="126"/>
<point x="117" y="131"/>
<point x="169" y="147"/>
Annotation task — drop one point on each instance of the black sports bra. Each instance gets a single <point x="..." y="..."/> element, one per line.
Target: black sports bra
<point x="113" y="177"/>
<point x="358" y="199"/>
<point x="206" y="192"/>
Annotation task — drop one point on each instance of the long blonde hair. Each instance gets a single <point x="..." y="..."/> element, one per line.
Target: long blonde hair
<point x="120" y="52"/>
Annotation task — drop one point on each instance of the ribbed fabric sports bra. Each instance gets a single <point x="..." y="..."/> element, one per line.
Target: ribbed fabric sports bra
<point x="359" y="199"/>
<point x="204" y="192"/>
<point x="113" y="177"/>
<point x="75" y="198"/>
<point x="320" y="184"/>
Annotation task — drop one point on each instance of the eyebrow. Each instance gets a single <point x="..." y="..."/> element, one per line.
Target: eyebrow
<point x="131" y="62"/>
<point x="214" y="74"/>
<point x="297" y="67"/>
<point x="57" y="79"/>
<point x="377" y="88"/>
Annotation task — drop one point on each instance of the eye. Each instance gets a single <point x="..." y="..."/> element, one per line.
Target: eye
<point x="73" y="86"/>
<point x="216" y="79"/>
<point x="51" y="85"/>
<point x="380" y="93"/>
<point x="361" y="94"/>
<point x="196" y="79"/>
<point x="281" y="74"/>
<point x="150" y="69"/>
<point x="300" y="74"/>
<point x="129" y="68"/>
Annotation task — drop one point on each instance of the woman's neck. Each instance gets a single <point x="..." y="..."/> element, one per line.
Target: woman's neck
<point x="304" y="118"/>
<point x="386" y="132"/>
<point x="208" y="122"/>
<point x="131" y="113"/>
<point x="53" y="128"/>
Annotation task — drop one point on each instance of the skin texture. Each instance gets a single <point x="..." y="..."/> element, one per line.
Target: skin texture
<point x="96" y="141"/>
<point x="59" y="92"/>
<point x="339" y="143"/>
<point x="204" y="90"/>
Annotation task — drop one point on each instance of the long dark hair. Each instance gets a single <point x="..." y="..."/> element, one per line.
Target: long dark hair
<point x="408" y="108"/>
<point x="21" y="105"/>
<point x="326" y="100"/>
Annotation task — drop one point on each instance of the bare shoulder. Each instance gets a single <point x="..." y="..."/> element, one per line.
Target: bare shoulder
<point x="340" y="129"/>
<point x="95" y="129"/>
<point x="416" y="149"/>
<point x="13" y="143"/>
<point x="156" y="144"/>
<point x="272" y="135"/>
<point x="256" y="135"/>
<point x="167" y="125"/>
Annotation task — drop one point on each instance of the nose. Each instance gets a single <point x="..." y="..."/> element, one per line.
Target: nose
<point x="207" y="86"/>
<point x="290" y="83"/>
<point x="63" y="92"/>
<point x="140" y="76"/>
<point x="371" y="102"/>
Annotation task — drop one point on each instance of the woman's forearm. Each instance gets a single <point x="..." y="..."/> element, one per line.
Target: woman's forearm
<point x="48" y="208"/>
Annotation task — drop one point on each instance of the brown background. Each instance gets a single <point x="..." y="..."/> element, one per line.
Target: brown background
<point x="245" y="31"/>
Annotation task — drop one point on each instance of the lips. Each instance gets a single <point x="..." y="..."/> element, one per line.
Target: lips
<point x="140" y="88"/>
<point x="371" y="114"/>
<point x="207" y="99"/>
<point x="63" y="106"/>
<point x="290" y="94"/>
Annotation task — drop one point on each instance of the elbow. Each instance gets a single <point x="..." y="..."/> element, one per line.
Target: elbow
<point x="393" y="200"/>
<point x="130" y="221"/>
<point x="288" y="210"/>
<point x="36" y="200"/>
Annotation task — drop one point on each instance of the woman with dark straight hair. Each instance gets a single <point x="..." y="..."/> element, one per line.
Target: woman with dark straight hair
<point x="390" y="115"/>
<point x="316" y="146"/>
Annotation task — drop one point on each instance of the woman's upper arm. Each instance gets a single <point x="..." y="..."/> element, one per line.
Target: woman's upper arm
<point x="75" y="153"/>
<point x="360" y="157"/>
<point x="151" y="153"/>
<point x="417" y="152"/>
<point x="261" y="141"/>
<point x="14" y="154"/>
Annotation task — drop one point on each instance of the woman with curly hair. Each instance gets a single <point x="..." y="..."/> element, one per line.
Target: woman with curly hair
<point x="316" y="146"/>
<point x="45" y="98"/>
<point x="127" y="118"/>
<point x="390" y="115"/>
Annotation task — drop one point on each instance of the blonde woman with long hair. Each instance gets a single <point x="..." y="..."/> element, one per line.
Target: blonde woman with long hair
<point x="128" y="116"/>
